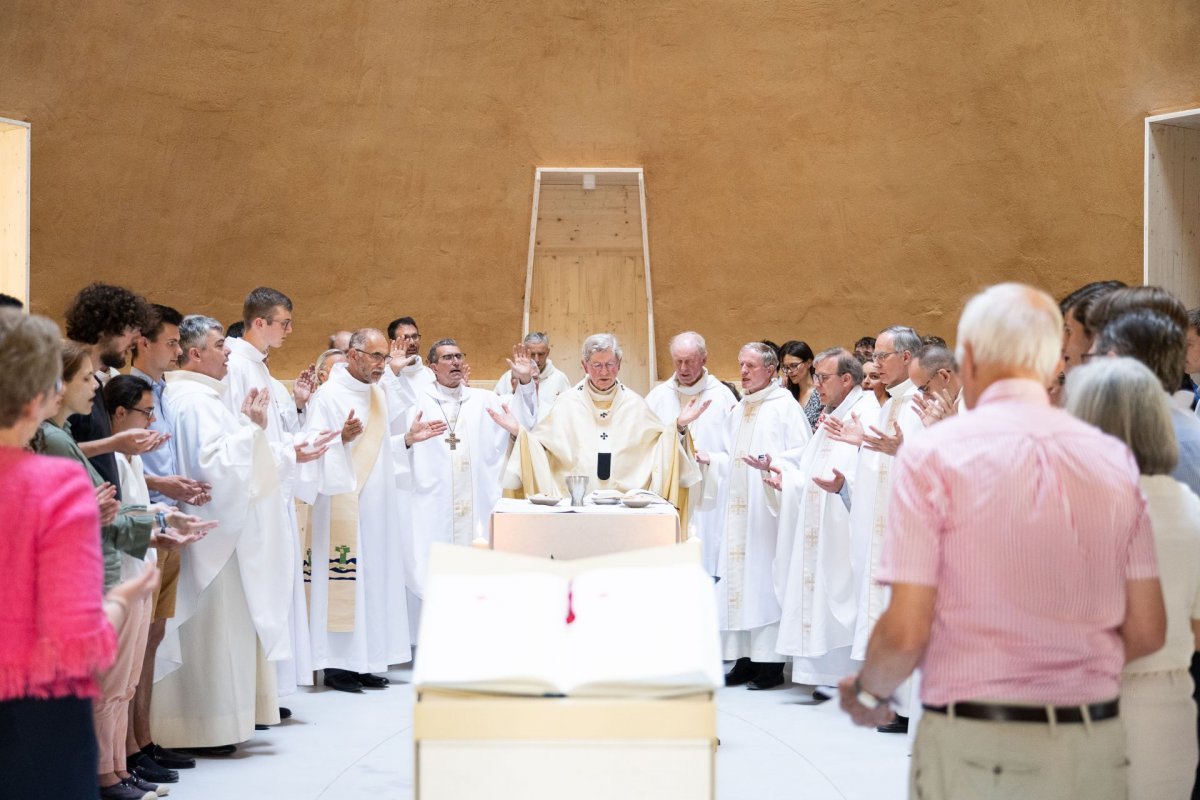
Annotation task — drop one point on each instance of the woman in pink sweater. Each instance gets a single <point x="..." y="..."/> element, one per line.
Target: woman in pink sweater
<point x="55" y="631"/>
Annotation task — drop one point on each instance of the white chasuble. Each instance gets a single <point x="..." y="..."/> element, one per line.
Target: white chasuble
<point x="454" y="479"/>
<point x="814" y="579"/>
<point x="248" y="370"/>
<point x="868" y="510"/>
<point x="361" y="624"/>
<point x="613" y="437"/>
<point x="707" y="432"/>
<point x="769" y="421"/>
<point x="234" y="584"/>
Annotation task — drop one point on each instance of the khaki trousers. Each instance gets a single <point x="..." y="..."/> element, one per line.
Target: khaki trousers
<point x="966" y="759"/>
<point x="1160" y="728"/>
<point x="117" y="687"/>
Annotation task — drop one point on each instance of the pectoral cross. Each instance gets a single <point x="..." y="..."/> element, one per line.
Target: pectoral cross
<point x="453" y="440"/>
<point x="604" y="436"/>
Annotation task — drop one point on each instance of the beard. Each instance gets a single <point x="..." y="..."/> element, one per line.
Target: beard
<point x="112" y="359"/>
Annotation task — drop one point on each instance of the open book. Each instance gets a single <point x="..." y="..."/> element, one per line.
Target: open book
<point x="634" y="624"/>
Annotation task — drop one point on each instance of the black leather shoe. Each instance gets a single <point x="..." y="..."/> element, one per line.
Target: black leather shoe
<point x="285" y="713"/>
<point x="343" y="681"/>
<point x="898" y="725"/>
<point x="165" y="757"/>
<point x="768" y="676"/>
<point x="259" y="727"/>
<point x="219" y="751"/>
<point x="146" y="768"/>
<point x="370" y="681"/>
<point x="743" y="672"/>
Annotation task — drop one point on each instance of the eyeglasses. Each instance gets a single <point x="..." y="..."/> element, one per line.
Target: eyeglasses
<point x="286" y="324"/>
<point x="882" y="356"/>
<point x="410" y="337"/>
<point x="607" y="366"/>
<point x="376" y="358"/>
<point x="925" y="389"/>
<point x="821" y="377"/>
<point x="791" y="368"/>
<point x="149" y="412"/>
<point x="453" y="357"/>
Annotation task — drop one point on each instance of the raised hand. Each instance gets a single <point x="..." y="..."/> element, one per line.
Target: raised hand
<point x="505" y="420"/>
<point x="136" y="441"/>
<point x="311" y="451"/>
<point x="691" y="412"/>
<point x="178" y="487"/>
<point x="703" y="458"/>
<point x="774" y="478"/>
<point x="849" y="430"/>
<point x="106" y="499"/>
<point x="255" y="407"/>
<point x="352" y="429"/>
<point x="521" y="364"/>
<point x="762" y="462"/>
<point x="466" y="378"/>
<point x="422" y="431"/>
<point x="190" y="524"/>
<point x="305" y="385"/>
<point x="832" y="485"/>
<point x="881" y="442"/>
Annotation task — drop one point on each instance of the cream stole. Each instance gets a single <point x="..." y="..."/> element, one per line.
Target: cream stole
<point x="343" y="520"/>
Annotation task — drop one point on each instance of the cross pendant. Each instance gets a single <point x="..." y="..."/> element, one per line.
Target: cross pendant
<point x="604" y="436"/>
<point x="453" y="440"/>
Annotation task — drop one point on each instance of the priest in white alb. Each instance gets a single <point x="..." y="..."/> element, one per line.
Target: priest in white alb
<point x="814" y="580"/>
<point x="693" y="383"/>
<point x="232" y="604"/>
<point x="550" y="380"/>
<point x="454" y="476"/>
<point x="767" y="425"/>
<point x="360" y="534"/>
<point x="267" y="316"/>
<point x="605" y="430"/>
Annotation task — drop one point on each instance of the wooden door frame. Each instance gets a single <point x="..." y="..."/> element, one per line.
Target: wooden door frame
<point x="612" y="172"/>
<point x="1192" y="115"/>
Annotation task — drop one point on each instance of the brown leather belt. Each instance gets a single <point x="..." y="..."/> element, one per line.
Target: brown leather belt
<point x="1001" y="713"/>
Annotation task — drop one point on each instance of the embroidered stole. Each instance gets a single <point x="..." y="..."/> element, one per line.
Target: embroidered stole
<point x="342" y="568"/>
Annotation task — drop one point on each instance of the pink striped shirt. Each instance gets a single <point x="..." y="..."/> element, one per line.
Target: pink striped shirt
<point x="1029" y="522"/>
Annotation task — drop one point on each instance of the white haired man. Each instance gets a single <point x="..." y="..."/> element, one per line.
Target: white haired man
<point x="878" y="444"/>
<point x="605" y="430"/>
<point x="1023" y="576"/>
<point x="814" y="579"/>
<point x="766" y="424"/>
<point x="234" y="596"/>
<point x="693" y="383"/>
<point x="550" y="380"/>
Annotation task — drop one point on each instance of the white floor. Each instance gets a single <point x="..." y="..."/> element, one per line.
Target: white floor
<point x="774" y="744"/>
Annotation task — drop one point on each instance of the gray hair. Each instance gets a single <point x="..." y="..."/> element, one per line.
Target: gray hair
<point x="536" y="337"/>
<point x="439" y="343"/>
<point x="30" y="361"/>
<point x="194" y="330"/>
<point x="358" y="339"/>
<point x="770" y="358"/>
<point x="847" y="362"/>
<point x="598" y="343"/>
<point x="1013" y="325"/>
<point x="934" y="357"/>
<point x="688" y="340"/>
<point x="332" y="352"/>
<point x="1123" y="398"/>
<point x="904" y="339"/>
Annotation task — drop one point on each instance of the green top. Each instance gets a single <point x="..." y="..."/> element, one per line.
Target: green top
<point x="129" y="532"/>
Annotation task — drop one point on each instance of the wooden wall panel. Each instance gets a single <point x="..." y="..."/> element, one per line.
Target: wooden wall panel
<point x="14" y="210"/>
<point x="1173" y="211"/>
<point x="589" y="275"/>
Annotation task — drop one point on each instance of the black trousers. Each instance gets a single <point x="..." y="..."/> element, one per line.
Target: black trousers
<point x="48" y="749"/>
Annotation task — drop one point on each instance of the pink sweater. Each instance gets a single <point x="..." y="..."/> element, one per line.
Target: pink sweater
<point x="54" y="635"/>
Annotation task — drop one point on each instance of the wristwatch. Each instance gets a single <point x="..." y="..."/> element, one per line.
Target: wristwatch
<point x="160" y="519"/>
<point x="867" y="699"/>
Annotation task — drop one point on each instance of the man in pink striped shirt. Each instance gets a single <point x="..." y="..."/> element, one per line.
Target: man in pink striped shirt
<point x="1023" y="576"/>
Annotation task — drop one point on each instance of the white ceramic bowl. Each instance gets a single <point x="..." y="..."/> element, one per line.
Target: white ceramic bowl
<point x="544" y="500"/>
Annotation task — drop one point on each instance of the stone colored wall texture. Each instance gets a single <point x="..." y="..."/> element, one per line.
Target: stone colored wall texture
<point x="815" y="168"/>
